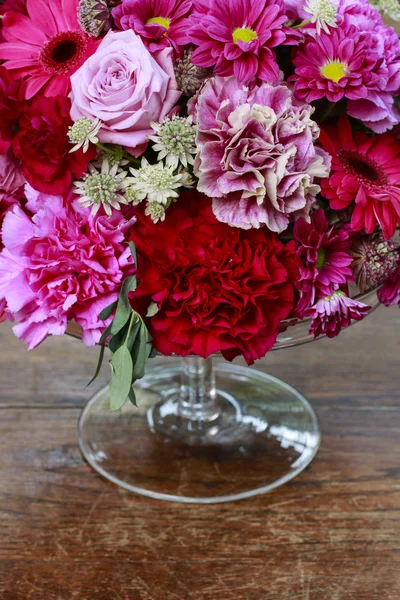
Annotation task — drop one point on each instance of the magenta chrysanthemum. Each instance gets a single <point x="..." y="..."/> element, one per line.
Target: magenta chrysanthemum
<point x="61" y="264"/>
<point x="336" y="65"/>
<point x="365" y="175"/>
<point x="331" y="314"/>
<point x="389" y="293"/>
<point x="236" y="36"/>
<point x="160" y="23"/>
<point x="359" y="61"/>
<point x="325" y="258"/>
<point x="257" y="158"/>
<point x="46" y="47"/>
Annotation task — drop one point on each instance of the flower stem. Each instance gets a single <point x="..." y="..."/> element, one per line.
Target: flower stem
<point x="302" y="24"/>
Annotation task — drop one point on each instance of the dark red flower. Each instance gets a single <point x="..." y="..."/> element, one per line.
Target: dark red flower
<point x="12" y="105"/>
<point x="18" y="6"/>
<point x="217" y="288"/>
<point x="43" y="146"/>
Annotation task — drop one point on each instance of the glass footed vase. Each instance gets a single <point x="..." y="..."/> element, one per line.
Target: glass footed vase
<point x="205" y="430"/>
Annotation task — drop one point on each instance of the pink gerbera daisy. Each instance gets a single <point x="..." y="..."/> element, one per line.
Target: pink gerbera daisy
<point x="46" y="46"/>
<point x="365" y="175"/>
<point x="330" y="315"/>
<point x="325" y="258"/>
<point x="235" y="37"/>
<point x="160" y="23"/>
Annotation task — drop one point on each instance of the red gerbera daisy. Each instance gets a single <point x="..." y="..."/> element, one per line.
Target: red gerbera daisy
<point x="365" y="174"/>
<point x="46" y="47"/>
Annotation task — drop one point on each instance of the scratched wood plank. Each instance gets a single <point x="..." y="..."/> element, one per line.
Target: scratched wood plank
<point x="332" y="534"/>
<point x="363" y="362"/>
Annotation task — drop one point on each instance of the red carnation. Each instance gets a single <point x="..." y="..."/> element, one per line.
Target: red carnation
<point x="43" y="146"/>
<point x="12" y="105"/>
<point x="217" y="288"/>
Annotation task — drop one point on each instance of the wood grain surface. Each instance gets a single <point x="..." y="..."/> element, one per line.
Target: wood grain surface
<point x="331" y="534"/>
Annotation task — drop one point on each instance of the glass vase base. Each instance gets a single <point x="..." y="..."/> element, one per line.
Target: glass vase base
<point x="261" y="434"/>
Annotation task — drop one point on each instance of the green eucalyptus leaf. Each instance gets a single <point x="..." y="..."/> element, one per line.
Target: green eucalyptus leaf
<point x="124" y="309"/>
<point x="133" y="334"/>
<point x="99" y="365"/>
<point x="121" y="382"/>
<point x="106" y="334"/>
<point x="132" y="397"/>
<point x="141" y="352"/>
<point x="152" y="310"/>
<point x="118" y="339"/>
<point x="133" y="252"/>
<point x="108" y="311"/>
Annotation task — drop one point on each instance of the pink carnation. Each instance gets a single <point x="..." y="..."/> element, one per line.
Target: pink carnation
<point x="125" y="87"/>
<point x="236" y="36"/>
<point x="330" y="315"/>
<point x="160" y="23"/>
<point x="61" y="264"/>
<point x="257" y="158"/>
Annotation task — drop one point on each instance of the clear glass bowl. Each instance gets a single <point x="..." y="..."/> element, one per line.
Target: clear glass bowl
<point x="204" y="431"/>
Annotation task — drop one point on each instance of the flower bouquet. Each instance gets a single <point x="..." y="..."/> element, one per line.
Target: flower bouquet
<point x="189" y="178"/>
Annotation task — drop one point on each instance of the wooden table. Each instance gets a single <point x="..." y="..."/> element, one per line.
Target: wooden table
<point x="331" y="534"/>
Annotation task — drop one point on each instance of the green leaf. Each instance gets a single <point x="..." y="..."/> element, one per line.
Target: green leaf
<point x="132" y="397"/>
<point x="153" y="353"/>
<point x="121" y="382"/>
<point x="106" y="334"/>
<point x="133" y="252"/>
<point x="99" y="365"/>
<point x="152" y="310"/>
<point x="108" y="311"/>
<point x="133" y="333"/>
<point x="141" y="352"/>
<point x="124" y="309"/>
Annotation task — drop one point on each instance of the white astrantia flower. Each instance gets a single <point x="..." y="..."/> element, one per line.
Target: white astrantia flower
<point x="175" y="140"/>
<point x="83" y="132"/>
<point x="155" y="211"/>
<point x="102" y="188"/>
<point x="323" y="14"/>
<point x="391" y="8"/>
<point x="156" y="183"/>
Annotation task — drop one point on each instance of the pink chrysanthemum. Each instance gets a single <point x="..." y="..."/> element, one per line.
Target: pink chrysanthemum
<point x="61" y="264"/>
<point x="160" y="23"/>
<point x="324" y="258"/>
<point x="46" y="47"/>
<point x="359" y="61"/>
<point x="235" y="37"/>
<point x="333" y="313"/>
<point x="335" y="66"/>
<point x="365" y="174"/>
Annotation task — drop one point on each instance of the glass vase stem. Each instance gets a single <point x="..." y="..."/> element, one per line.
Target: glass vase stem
<point x="197" y="402"/>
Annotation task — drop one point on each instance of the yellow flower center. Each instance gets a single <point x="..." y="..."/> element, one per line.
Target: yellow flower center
<point x="335" y="70"/>
<point x="162" y="21"/>
<point x="244" y="34"/>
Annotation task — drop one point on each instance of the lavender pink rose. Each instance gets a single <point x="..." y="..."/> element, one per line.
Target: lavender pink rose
<point x="127" y="88"/>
